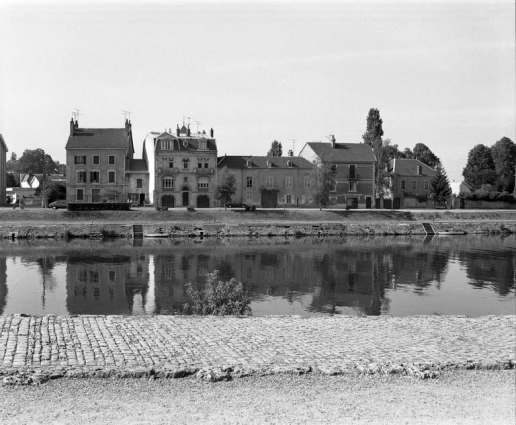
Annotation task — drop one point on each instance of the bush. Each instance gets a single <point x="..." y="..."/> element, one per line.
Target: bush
<point x="218" y="298"/>
<point x="483" y="195"/>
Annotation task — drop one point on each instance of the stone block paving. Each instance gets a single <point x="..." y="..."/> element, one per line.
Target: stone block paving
<point x="80" y="344"/>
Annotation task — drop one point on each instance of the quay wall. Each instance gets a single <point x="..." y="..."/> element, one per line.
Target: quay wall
<point x="81" y="230"/>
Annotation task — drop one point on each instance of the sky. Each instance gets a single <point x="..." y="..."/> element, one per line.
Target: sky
<point x="441" y="73"/>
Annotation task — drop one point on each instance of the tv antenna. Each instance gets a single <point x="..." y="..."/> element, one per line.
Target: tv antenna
<point x="127" y="114"/>
<point x="189" y="118"/>
<point x="293" y="145"/>
<point x="76" y="113"/>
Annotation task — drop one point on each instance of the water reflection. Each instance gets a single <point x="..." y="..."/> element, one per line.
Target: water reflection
<point x="471" y="275"/>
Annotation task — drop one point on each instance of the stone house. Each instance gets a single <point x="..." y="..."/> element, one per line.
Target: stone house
<point x="138" y="182"/>
<point x="353" y="167"/>
<point x="270" y="181"/>
<point x="98" y="163"/>
<point x="182" y="168"/>
<point x="409" y="178"/>
<point x="3" y="172"/>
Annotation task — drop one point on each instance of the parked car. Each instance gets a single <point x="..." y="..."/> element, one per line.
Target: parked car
<point x="236" y="205"/>
<point x="61" y="203"/>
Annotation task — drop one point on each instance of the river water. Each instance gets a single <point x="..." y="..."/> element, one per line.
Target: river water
<point x="400" y="276"/>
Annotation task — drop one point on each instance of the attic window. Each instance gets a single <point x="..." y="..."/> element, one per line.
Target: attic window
<point x="202" y="144"/>
<point x="167" y="144"/>
<point x="248" y="164"/>
<point x="268" y="164"/>
<point x="289" y="164"/>
<point x="419" y="170"/>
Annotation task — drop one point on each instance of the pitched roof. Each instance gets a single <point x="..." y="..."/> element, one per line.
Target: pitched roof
<point x="2" y="142"/>
<point x="136" y="165"/>
<point x="343" y="152"/>
<point x="261" y="162"/>
<point x="183" y="143"/>
<point x="408" y="167"/>
<point x="99" y="138"/>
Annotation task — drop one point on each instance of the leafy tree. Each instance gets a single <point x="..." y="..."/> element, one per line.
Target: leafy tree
<point x="37" y="162"/>
<point x="391" y="151"/>
<point x="440" y="189"/>
<point x="225" y="187"/>
<point x="320" y="183"/>
<point x="425" y="155"/>
<point x="480" y="168"/>
<point x="373" y="138"/>
<point x="49" y="191"/>
<point x="110" y="194"/>
<point x="504" y="158"/>
<point x="276" y="149"/>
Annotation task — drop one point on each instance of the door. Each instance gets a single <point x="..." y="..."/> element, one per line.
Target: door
<point x="269" y="200"/>
<point x="203" y="201"/>
<point x="95" y="195"/>
<point x="142" y="198"/>
<point x="186" y="197"/>
<point x="168" y="201"/>
<point x="368" y="202"/>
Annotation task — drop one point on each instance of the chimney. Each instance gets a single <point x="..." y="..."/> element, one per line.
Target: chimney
<point x="72" y="127"/>
<point x="333" y="141"/>
<point x="127" y="125"/>
<point x="211" y="133"/>
<point x="290" y="153"/>
<point x="177" y="131"/>
<point x="188" y="131"/>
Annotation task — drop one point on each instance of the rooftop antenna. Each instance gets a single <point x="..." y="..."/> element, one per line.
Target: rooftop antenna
<point x="293" y="145"/>
<point x="197" y="123"/>
<point x="189" y="118"/>
<point x="76" y="113"/>
<point x="127" y="114"/>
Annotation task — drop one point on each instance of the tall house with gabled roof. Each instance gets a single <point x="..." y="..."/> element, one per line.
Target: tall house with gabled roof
<point x="182" y="168"/>
<point x="3" y="173"/>
<point x="353" y="167"/>
<point x="98" y="162"/>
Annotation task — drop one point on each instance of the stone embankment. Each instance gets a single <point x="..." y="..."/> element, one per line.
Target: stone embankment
<point x="97" y="230"/>
<point x="35" y="348"/>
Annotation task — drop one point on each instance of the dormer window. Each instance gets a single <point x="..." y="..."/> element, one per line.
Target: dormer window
<point x="289" y="164"/>
<point x="268" y="162"/>
<point x="167" y="144"/>
<point x="249" y="164"/>
<point x="419" y="170"/>
<point x="202" y="144"/>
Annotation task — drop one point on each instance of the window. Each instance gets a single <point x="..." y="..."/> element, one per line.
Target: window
<point x="427" y="184"/>
<point x="95" y="160"/>
<point x="269" y="181"/>
<point x="288" y="199"/>
<point x="420" y="170"/>
<point x="403" y="184"/>
<point x="95" y="177"/>
<point x="81" y="176"/>
<point x="248" y="182"/>
<point x="171" y="163"/>
<point x="289" y="164"/>
<point x="80" y="194"/>
<point x="186" y="163"/>
<point x="111" y="176"/>
<point x="307" y="182"/>
<point x="111" y="275"/>
<point x="333" y="186"/>
<point x="79" y="159"/>
<point x="111" y="159"/>
<point x="334" y="169"/>
<point x="203" y="183"/>
<point x="413" y="184"/>
<point x="352" y="171"/>
<point x="167" y="144"/>
<point x="202" y="163"/>
<point x="249" y="197"/>
<point x="352" y="186"/>
<point x="168" y="183"/>
<point x="288" y="182"/>
<point x="139" y="183"/>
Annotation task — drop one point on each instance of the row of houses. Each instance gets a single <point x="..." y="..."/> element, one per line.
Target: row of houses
<point x="179" y="169"/>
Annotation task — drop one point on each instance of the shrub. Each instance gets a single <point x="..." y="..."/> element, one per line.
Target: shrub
<point x="218" y="298"/>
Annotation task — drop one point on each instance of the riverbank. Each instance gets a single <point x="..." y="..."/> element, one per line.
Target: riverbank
<point x="40" y="223"/>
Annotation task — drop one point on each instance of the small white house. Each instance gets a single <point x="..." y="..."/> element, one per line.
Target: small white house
<point x="460" y="187"/>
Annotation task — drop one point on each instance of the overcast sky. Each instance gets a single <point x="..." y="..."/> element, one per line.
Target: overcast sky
<point x="441" y="73"/>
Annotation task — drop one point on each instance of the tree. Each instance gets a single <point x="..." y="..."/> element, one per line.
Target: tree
<point x="225" y="187"/>
<point x="11" y="180"/>
<point x="504" y="158"/>
<point x="480" y="168"/>
<point x="440" y="189"/>
<point x="425" y="155"/>
<point x="320" y="183"/>
<point x="36" y="162"/>
<point x="276" y="149"/>
<point x="49" y="191"/>
<point x="391" y="151"/>
<point x="373" y="138"/>
<point x="110" y="194"/>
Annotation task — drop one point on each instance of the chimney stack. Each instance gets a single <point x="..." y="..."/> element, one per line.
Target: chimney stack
<point x="211" y="133"/>
<point x="333" y="141"/>
<point x="127" y="125"/>
<point x="188" y="131"/>
<point x="290" y="152"/>
<point x="177" y="130"/>
<point x="72" y="127"/>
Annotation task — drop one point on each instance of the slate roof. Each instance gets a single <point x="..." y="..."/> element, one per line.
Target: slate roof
<point x="99" y="138"/>
<point x="137" y="165"/>
<point x="261" y="162"/>
<point x="408" y="167"/>
<point x="343" y="152"/>
<point x="183" y="143"/>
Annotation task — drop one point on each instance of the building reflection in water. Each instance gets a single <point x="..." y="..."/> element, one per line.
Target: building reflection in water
<point x="315" y="275"/>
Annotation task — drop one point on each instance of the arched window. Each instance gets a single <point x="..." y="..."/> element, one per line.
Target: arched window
<point x="168" y="183"/>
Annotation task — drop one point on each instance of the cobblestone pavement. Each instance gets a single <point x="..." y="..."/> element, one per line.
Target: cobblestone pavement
<point x="172" y="345"/>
